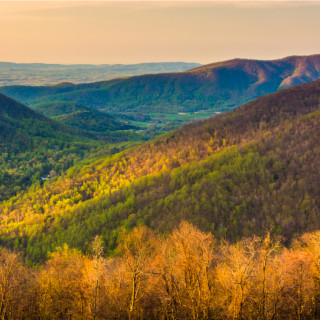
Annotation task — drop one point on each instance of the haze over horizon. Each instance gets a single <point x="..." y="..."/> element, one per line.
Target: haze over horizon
<point x="137" y="32"/>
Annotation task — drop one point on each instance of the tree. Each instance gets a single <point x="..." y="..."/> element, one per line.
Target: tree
<point x="137" y="250"/>
<point x="299" y="287"/>
<point x="16" y="288"/>
<point x="235" y="277"/>
<point x="96" y="267"/>
<point x="63" y="288"/>
<point x="187" y="256"/>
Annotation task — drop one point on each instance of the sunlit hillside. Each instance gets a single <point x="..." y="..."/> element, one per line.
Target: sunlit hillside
<point x="235" y="175"/>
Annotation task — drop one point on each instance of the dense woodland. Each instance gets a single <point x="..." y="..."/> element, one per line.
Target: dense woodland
<point x="235" y="175"/>
<point x="33" y="146"/>
<point x="82" y="117"/>
<point x="187" y="274"/>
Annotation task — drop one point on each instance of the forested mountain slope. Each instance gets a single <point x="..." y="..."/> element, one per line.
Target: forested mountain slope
<point x="57" y="108"/>
<point x="13" y="116"/>
<point x="216" y="87"/>
<point x="81" y="117"/>
<point x="237" y="174"/>
<point x="32" y="146"/>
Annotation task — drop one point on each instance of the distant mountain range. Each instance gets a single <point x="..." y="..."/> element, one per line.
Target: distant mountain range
<point x="216" y="87"/>
<point x="46" y="74"/>
<point x="253" y="169"/>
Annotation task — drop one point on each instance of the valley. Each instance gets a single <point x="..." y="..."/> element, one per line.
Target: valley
<point x="159" y="160"/>
<point x="158" y="103"/>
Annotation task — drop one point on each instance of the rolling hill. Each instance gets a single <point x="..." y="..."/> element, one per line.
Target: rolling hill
<point x="20" y="124"/>
<point x="57" y="108"/>
<point x="81" y="117"/>
<point x="237" y="174"/>
<point x="216" y="87"/>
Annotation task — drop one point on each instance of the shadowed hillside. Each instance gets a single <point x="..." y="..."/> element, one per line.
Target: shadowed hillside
<point x="81" y="117"/>
<point x="33" y="146"/>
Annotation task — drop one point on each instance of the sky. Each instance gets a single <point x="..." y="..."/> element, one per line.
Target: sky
<point x="134" y="32"/>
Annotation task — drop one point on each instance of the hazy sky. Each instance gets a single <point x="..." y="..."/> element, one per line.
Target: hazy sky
<point x="133" y="32"/>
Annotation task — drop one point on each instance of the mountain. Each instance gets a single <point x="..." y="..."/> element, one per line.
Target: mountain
<point x="20" y="124"/>
<point x="237" y="174"/>
<point x="32" y="146"/>
<point x="44" y="74"/>
<point x="82" y="117"/>
<point x="58" y="108"/>
<point x="216" y="87"/>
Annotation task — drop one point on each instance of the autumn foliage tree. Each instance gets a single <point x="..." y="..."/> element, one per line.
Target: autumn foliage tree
<point x="186" y="258"/>
<point x="187" y="274"/>
<point x="138" y="250"/>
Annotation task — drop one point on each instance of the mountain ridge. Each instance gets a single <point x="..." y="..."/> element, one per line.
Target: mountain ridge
<point x="219" y="87"/>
